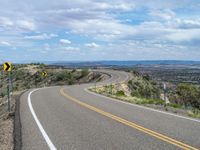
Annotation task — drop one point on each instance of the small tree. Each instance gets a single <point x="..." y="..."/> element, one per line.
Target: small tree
<point x="84" y="72"/>
<point x="188" y="95"/>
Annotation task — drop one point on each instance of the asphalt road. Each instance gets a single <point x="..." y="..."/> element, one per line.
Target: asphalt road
<point x="72" y="118"/>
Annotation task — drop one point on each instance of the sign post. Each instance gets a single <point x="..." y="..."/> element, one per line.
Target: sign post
<point x="8" y="92"/>
<point x="95" y="85"/>
<point x="111" y="86"/>
<point x="7" y="66"/>
<point x="44" y="74"/>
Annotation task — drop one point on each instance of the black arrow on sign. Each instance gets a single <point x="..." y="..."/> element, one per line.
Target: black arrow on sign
<point x="44" y="74"/>
<point x="7" y="66"/>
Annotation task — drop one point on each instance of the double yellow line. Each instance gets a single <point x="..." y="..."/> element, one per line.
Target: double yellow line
<point x="130" y="124"/>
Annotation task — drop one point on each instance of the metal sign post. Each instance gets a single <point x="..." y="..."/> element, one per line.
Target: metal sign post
<point x="95" y="84"/>
<point x="44" y="74"/>
<point x="111" y="89"/>
<point x="7" y="66"/>
<point x="8" y="91"/>
<point x="164" y="87"/>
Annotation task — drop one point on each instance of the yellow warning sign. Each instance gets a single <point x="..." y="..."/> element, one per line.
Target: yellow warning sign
<point x="44" y="73"/>
<point x="7" y="66"/>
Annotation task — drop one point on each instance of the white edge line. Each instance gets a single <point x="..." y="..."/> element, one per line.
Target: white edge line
<point x="143" y="107"/>
<point x="47" y="139"/>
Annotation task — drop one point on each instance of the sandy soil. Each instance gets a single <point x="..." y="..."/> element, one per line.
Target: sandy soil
<point x="6" y="133"/>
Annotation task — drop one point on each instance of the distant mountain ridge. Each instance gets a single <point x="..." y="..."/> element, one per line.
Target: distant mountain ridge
<point x="124" y="63"/>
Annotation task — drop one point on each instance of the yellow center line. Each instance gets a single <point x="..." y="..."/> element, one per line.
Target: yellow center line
<point x="130" y="124"/>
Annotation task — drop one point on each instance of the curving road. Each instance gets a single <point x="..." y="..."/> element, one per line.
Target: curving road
<point x="72" y="118"/>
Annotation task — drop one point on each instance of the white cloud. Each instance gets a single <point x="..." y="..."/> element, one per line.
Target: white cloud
<point x="101" y="29"/>
<point x="5" y="22"/>
<point x="187" y="23"/>
<point x="119" y="6"/>
<point x="165" y="14"/>
<point x="184" y="35"/>
<point x="65" y="41"/>
<point x="13" y="24"/>
<point x="4" y="43"/>
<point x="92" y="45"/>
<point x="25" y="24"/>
<point x="69" y="48"/>
<point x="43" y="36"/>
<point x="53" y="35"/>
<point x="125" y="6"/>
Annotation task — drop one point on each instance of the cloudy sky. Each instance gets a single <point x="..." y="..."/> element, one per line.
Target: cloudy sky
<point x="65" y="30"/>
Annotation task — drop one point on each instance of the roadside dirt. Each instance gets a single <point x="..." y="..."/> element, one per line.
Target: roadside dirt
<point x="7" y="123"/>
<point x="6" y="133"/>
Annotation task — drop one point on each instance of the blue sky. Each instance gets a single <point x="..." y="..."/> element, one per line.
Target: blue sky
<point x="81" y="30"/>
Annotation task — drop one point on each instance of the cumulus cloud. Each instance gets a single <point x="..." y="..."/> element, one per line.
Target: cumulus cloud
<point x="65" y="41"/>
<point x="92" y="45"/>
<point x="166" y="14"/>
<point x="25" y="24"/>
<point x="187" y="23"/>
<point x="8" y="23"/>
<point x="4" y="43"/>
<point x="101" y="29"/>
<point x="70" y="48"/>
<point x="119" y="6"/>
<point x="43" y="36"/>
<point x="184" y="35"/>
<point x="5" y="22"/>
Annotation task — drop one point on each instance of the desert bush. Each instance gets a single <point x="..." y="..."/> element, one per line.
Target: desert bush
<point x="2" y="94"/>
<point x="144" y="88"/>
<point x="151" y="101"/>
<point x="120" y="93"/>
<point x="188" y="95"/>
<point x="84" y="72"/>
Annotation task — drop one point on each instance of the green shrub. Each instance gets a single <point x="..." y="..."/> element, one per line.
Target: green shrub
<point x="84" y="72"/>
<point x="175" y="105"/>
<point x="61" y="76"/>
<point x="120" y="93"/>
<point x="194" y="113"/>
<point x="188" y="95"/>
<point x="2" y="94"/>
<point x="143" y="87"/>
<point x="151" y="101"/>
